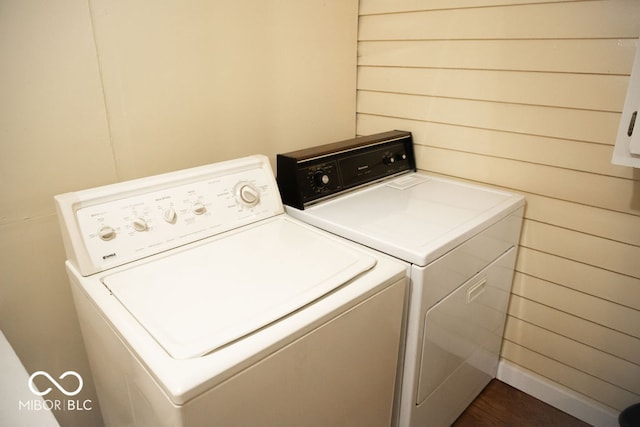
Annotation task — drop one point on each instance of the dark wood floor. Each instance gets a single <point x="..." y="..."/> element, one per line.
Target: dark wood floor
<point x="502" y="405"/>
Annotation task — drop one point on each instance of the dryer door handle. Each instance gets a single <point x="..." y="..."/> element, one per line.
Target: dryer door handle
<point x="476" y="290"/>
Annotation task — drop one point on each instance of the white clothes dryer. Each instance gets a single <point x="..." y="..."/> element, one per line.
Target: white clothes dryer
<point x="202" y="303"/>
<point x="460" y="242"/>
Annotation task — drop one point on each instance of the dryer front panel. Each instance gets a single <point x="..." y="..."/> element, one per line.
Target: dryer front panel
<point x="461" y="343"/>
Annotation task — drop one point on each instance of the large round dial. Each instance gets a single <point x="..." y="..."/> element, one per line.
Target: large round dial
<point x="248" y="194"/>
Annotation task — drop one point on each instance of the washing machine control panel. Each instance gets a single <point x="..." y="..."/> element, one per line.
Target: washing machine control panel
<point x="307" y="176"/>
<point x="138" y="222"/>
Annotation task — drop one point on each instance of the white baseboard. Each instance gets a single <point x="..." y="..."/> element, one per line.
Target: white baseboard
<point x="556" y="395"/>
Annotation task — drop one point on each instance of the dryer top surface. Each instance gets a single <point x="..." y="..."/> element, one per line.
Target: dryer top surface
<point x="415" y="217"/>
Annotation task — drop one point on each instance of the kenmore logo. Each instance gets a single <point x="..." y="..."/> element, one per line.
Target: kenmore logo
<point x="106" y="257"/>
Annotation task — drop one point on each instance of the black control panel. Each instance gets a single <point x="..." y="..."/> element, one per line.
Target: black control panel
<point x="308" y="175"/>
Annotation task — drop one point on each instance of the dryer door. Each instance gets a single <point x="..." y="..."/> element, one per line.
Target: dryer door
<point x="206" y="297"/>
<point x="463" y="336"/>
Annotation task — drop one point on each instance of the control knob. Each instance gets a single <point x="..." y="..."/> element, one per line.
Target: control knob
<point x="198" y="208"/>
<point x="320" y="178"/>
<point x="140" y="224"/>
<point x="248" y="194"/>
<point x="170" y="215"/>
<point x="388" y="159"/>
<point x="107" y="233"/>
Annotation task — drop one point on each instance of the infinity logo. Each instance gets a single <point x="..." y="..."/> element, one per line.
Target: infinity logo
<point x="35" y="391"/>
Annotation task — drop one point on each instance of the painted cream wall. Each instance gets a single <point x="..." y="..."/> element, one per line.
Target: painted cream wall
<point x="102" y="91"/>
<point x="527" y="97"/>
<point x="53" y="137"/>
<point x="191" y="82"/>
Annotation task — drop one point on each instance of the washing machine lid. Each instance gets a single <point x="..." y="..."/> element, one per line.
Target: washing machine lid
<point x="415" y="217"/>
<point x="205" y="297"/>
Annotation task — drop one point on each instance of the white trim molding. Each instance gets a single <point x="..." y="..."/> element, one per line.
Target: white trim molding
<point x="556" y="395"/>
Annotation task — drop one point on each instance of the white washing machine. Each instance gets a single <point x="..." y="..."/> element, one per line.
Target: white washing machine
<point x="460" y="243"/>
<point x="202" y="303"/>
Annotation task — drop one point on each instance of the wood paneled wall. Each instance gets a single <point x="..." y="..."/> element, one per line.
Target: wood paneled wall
<point x="526" y="95"/>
